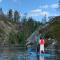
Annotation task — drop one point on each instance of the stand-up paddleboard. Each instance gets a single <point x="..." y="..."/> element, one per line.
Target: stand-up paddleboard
<point x="38" y="54"/>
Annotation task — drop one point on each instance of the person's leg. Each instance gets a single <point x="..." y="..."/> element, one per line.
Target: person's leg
<point x="41" y="48"/>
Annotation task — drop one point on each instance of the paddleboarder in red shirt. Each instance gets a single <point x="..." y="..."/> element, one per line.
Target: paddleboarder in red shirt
<point x="41" y="42"/>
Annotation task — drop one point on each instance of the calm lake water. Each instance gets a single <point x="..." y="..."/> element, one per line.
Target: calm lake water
<point x="21" y="54"/>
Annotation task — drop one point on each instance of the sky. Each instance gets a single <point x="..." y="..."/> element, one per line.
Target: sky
<point x="34" y="8"/>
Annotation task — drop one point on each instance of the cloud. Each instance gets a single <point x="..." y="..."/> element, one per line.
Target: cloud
<point x="37" y="12"/>
<point x="21" y="14"/>
<point x="44" y="6"/>
<point x="54" y="14"/>
<point x="55" y="5"/>
<point x="44" y="13"/>
<point x="0" y="1"/>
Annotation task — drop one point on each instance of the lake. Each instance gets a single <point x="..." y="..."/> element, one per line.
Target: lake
<point x="22" y="54"/>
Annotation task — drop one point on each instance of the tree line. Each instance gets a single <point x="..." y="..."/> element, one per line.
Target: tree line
<point x="26" y="26"/>
<point x="11" y="15"/>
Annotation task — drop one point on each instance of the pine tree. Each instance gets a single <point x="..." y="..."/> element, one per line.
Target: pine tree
<point x="16" y="16"/>
<point x="10" y="14"/>
<point x="1" y="11"/>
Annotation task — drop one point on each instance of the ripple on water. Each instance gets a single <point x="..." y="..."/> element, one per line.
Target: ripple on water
<point x="22" y="55"/>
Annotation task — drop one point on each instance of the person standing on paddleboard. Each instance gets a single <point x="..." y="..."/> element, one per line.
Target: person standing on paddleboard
<point x="41" y="42"/>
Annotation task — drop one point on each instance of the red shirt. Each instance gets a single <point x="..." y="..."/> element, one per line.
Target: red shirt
<point x="41" y="42"/>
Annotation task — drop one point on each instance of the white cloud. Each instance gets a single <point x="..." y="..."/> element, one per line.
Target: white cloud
<point x="53" y="14"/>
<point x="0" y="1"/>
<point x="44" y="6"/>
<point x="38" y="12"/>
<point x="54" y="5"/>
<point x="44" y="13"/>
<point x="21" y="14"/>
<point x="50" y="6"/>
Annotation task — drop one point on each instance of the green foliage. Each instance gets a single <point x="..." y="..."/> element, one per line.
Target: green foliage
<point x="56" y="30"/>
<point x="21" y="35"/>
<point x="12" y="37"/>
<point x="29" y="26"/>
<point x="21" y="38"/>
<point x="1" y="30"/>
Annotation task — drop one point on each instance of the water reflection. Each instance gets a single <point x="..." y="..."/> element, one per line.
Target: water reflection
<point x="15" y="54"/>
<point x="41" y="58"/>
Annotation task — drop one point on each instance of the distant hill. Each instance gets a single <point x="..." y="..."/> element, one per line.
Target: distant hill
<point x="53" y="29"/>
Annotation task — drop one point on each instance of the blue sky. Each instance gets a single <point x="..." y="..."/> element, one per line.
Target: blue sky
<point x="34" y="8"/>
